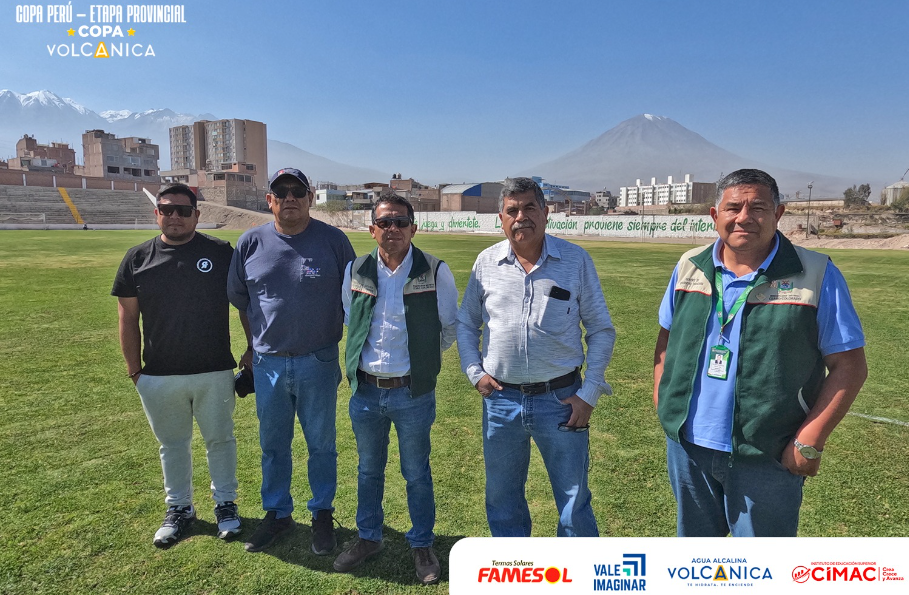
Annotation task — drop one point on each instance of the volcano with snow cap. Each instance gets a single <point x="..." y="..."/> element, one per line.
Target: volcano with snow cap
<point x="648" y="146"/>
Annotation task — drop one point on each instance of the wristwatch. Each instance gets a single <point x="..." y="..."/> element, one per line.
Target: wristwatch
<point x="809" y="452"/>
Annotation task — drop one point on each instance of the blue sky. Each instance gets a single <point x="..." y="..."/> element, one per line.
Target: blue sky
<point x="480" y="89"/>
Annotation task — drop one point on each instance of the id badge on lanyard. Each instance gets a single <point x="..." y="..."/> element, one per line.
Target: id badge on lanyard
<point x="720" y="355"/>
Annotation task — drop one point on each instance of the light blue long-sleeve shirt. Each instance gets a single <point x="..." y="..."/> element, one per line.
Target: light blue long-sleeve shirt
<point x="528" y="334"/>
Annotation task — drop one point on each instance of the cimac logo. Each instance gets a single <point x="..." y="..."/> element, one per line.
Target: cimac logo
<point x="841" y="572"/>
<point x="627" y="576"/>
<point x="521" y="571"/>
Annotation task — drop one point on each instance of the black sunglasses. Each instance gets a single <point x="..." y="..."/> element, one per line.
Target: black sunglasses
<point x="564" y="427"/>
<point x="182" y="210"/>
<point x="281" y="192"/>
<point x="386" y="222"/>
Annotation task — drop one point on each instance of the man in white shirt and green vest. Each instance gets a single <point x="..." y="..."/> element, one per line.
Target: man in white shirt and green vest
<point x="400" y="306"/>
<point x="759" y="356"/>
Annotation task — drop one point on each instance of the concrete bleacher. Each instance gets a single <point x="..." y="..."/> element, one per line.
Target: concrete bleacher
<point x="30" y="201"/>
<point x="22" y="204"/>
<point x="102" y="207"/>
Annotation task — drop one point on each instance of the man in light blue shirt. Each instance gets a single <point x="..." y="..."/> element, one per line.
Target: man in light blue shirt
<point x="750" y="328"/>
<point x="528" y="296"/>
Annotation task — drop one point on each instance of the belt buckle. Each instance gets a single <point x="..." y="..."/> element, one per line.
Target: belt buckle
<point x="385" y="382"/>
<point x="533" y="388"/>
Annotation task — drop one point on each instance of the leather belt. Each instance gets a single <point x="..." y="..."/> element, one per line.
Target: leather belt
<point x="399" y="382"/>
<point x="538" y="388"/>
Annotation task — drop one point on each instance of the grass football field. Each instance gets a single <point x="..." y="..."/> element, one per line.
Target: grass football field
<point x="80" y="481"/>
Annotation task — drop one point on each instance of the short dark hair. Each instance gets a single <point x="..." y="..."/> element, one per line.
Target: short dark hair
<point x="520" y="186"/>
<point x="748" y="177"/>
<point x="178" y="189"/>
<point x="389" y="196"/>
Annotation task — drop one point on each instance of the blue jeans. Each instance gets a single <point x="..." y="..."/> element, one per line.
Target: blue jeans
<point x="510" y="420"/>
<point x="751" y="498"/>
<point x="372" y="411"/>
<point x="305" y="385"/>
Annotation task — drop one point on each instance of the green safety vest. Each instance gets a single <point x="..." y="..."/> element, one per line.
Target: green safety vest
<point x="780" y="368"/>
<point x="421" y="314"/>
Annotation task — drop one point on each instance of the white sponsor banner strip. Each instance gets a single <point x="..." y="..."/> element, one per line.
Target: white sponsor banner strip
<point x="678" y="565"/>
<point x="622" y="226"/>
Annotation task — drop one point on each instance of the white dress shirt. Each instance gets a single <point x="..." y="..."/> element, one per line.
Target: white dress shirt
<point x="385" y="352"/>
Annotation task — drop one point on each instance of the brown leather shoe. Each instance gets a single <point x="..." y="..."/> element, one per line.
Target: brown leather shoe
<point x="428" y="570"/>
<point x="356" y="554"/>
<point x="268" y="531"/>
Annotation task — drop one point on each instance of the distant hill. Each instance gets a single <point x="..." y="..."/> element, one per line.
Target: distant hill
<point x="319" y="168"/>
<point x="648" y="146"/>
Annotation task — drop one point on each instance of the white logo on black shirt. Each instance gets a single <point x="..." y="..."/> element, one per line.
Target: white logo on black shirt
<point x="204" y="265"/>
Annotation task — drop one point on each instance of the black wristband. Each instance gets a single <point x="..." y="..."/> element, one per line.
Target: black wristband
<point x="134" y="374"/>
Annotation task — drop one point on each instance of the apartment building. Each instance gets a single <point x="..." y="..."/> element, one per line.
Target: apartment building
<point x="215" y="145"/>
<point x="132" y="158"/>
<point x="34" y="156"/>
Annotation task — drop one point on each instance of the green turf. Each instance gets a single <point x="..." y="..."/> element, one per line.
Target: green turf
<point x="80" y="488"/>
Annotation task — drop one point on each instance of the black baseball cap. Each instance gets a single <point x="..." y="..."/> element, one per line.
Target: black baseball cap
<point x="288" y="171"/>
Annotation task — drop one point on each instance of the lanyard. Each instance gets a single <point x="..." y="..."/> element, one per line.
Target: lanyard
<point x="718" y="281"/>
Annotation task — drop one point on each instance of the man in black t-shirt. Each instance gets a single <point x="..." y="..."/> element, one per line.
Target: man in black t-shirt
<point x="177" y="283"/>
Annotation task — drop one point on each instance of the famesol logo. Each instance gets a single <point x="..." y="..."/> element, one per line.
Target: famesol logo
<point x="521" y="571"/>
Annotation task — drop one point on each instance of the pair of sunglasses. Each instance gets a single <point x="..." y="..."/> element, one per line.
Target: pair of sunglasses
<point x="281" y="192"/>
<point x="400" y="222"/>
<point x="564" y="427"/>
<point x="182" y="210"/>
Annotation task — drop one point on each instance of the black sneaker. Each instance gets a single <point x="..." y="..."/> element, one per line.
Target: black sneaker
<point x="356" y="554"/>
<point x="228" y="520"/>
<point x="176" y="520"/>
<point x="323" y="533"/>
<point x="268" y="531"/>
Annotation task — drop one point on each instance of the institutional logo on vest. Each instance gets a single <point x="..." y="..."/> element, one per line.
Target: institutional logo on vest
<point x="204" y="265"/>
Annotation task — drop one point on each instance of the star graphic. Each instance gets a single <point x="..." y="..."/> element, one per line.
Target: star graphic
<point x="71" y="32"/>
<point x="131" y="32"/>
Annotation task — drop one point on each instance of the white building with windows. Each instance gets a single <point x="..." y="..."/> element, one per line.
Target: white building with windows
<point x="675" y="193"/>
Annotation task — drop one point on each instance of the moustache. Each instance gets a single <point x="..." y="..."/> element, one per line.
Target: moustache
<point x="522" y="225"/>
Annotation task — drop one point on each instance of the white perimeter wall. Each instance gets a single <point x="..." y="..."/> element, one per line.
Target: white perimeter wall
<point x="620" y="226"/>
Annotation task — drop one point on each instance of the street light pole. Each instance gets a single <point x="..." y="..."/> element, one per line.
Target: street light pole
<point x="808" y="219"/>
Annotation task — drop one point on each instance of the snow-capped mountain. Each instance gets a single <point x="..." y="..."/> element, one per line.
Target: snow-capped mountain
<point x="114" y="115"/>
<point x="648" y="146"/>
<point x="44" y="115"/>
<point x="49" y="117"/>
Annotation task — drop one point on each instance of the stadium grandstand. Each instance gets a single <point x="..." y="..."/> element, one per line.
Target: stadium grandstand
<point x="32" y="205"/>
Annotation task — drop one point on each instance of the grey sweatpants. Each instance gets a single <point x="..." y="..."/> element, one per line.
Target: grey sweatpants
<point x="170" y="403"/>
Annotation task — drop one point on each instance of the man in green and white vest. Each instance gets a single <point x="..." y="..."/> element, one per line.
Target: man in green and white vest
<point x="400" y="307"/>
<point x="760" y="354"/>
